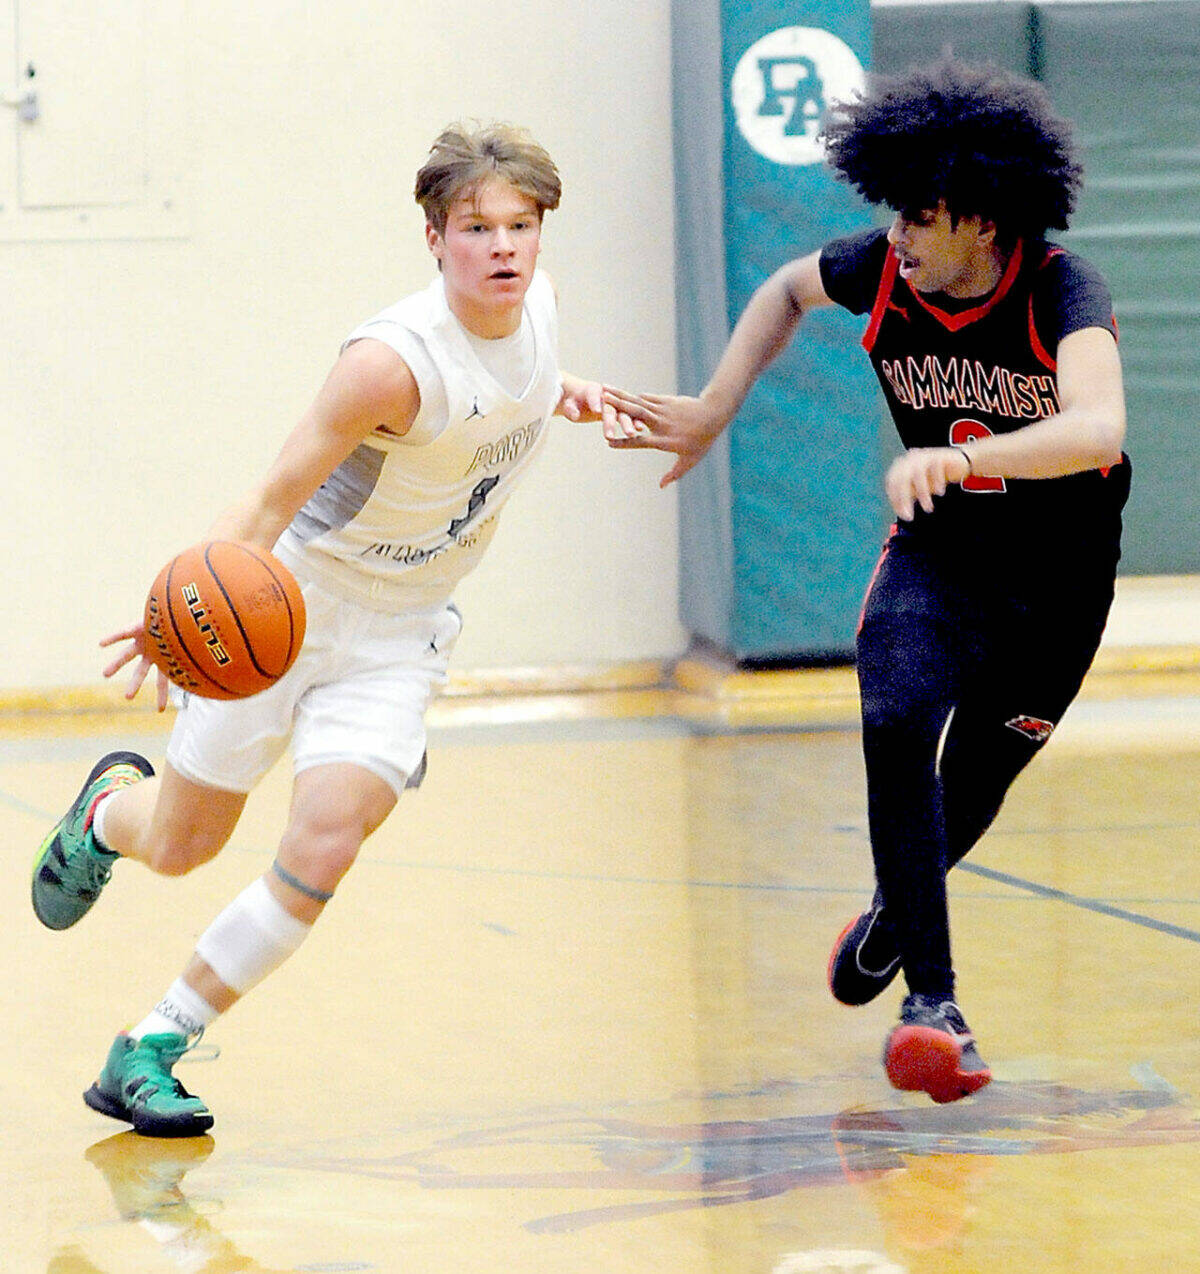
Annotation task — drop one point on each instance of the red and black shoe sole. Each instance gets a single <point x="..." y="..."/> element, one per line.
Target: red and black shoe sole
<point x="924" y="1059"/>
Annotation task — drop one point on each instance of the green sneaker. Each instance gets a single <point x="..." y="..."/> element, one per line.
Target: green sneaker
<point x="70" y="869"/>
<point x="136" y="1085"/>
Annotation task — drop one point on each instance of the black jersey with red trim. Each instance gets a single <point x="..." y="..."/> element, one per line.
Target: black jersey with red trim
<point x="956" y="370"/>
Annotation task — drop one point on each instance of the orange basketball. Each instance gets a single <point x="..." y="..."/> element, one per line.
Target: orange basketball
<point x="224" y="619"/>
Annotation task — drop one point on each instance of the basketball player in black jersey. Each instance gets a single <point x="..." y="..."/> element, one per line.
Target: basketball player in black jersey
<point x="997" y="355"/>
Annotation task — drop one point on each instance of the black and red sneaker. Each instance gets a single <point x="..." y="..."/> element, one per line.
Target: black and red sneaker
<point x="865" y="958"/>
<point x="932" y="1051"/>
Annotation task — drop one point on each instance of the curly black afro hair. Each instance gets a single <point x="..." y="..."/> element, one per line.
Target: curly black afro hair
<point x="986" y="143"/>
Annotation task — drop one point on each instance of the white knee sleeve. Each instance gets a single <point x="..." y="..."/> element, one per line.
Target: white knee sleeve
<point x="251" y="937"/>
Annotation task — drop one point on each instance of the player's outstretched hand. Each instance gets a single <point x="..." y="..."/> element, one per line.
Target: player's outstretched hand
<point x="688" y="427"/>
<point x="920" y="475"/>
<point x="580" y="400"/>
<point x="135" y="649"/>
<point x="583" y="402"/>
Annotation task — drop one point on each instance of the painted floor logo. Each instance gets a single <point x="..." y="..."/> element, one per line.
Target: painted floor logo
<point x="783" y="85"/>
<point x="907" y="1153"/>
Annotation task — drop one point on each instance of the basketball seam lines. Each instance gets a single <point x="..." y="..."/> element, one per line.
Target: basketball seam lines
<point x="262" y="672"/>
<point x="287" y="601"/>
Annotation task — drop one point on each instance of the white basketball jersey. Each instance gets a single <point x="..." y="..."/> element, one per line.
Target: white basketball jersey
<point x="403" y="519"/>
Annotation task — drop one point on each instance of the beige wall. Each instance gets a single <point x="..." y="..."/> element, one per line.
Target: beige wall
<point x="145" y="381"/>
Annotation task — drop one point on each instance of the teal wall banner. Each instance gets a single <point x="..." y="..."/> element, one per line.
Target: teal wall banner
<point x="780" y="528"/>
<point x="805" y="450"/>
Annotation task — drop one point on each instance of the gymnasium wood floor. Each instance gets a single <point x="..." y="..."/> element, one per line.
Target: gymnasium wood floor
<point x="568" y="1014"/>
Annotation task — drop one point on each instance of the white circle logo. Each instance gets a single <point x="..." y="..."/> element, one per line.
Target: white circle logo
<point x="783" y="85"/>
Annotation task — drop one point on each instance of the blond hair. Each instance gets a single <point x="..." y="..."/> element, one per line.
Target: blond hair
<point x="462" y="158"/>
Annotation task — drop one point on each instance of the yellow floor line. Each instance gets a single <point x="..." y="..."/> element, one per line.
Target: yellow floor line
<point x="698" y="688"/>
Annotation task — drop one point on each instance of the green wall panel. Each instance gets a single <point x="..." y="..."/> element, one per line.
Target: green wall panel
<point x="1129" y="76"/>
<point x="912" y="35"/>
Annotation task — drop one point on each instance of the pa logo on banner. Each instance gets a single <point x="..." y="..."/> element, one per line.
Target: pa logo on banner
<point x="783" y="85"/>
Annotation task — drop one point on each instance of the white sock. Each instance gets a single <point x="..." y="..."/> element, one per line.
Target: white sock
<point x="98" y="825"/>
<point x="182" y="1011"/>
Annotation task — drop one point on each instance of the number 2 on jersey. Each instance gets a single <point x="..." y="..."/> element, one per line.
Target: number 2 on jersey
<point x="966" y="431"/>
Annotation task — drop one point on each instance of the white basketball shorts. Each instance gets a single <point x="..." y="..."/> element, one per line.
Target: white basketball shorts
<point x="357" y="693"/>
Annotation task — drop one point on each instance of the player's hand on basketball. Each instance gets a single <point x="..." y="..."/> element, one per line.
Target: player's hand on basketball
<point x="135" y="637"/>
<point x="919" y="476"/>
<point x="688" y="427"/>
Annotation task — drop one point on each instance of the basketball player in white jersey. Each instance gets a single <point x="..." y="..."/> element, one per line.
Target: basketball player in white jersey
<point x="382" y="498"/>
